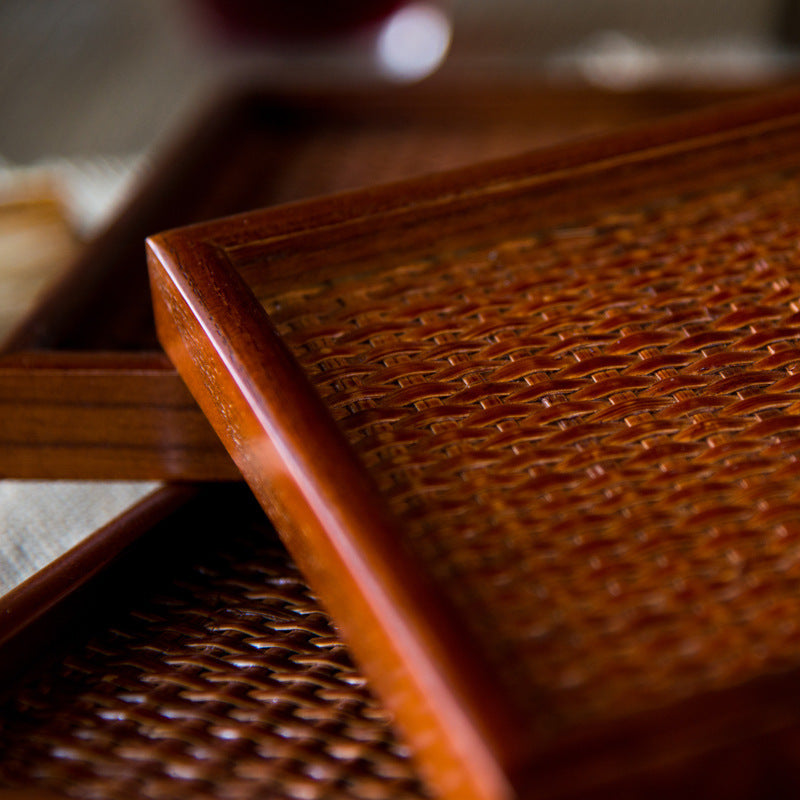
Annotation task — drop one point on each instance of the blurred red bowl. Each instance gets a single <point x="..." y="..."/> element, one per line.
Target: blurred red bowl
<point x="292" y="20"/>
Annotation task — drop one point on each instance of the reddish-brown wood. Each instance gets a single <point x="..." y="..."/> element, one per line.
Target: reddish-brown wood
<point x="83" y="349"/>
<point x="252" y="149"/>
<point x="89" y="415"/>
<point x="429" y="639"/>
<point x="88" y="348"/>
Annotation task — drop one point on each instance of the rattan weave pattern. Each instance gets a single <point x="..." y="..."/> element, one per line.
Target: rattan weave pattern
<point x="591" y="436"/>
<point x="228" y="683"/>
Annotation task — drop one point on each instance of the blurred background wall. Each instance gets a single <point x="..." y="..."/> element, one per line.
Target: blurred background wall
<point x="89" y="76"/>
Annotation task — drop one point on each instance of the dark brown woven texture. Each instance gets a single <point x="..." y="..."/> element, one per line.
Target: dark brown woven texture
<point x="226" y="682"/>
<point x="592" y="438"/>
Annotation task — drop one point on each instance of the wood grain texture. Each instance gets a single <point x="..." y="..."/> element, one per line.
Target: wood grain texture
<point x="84" y="415"/>
<point x="88" y="350"/>
<point x="249" y="149"/>
<point x="482" y="400"/>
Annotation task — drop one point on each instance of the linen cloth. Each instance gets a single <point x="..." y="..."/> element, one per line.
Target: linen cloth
<point x="45" y="211"/>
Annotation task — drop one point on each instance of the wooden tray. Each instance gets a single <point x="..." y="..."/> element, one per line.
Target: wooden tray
<point x="532" y="431"/>
<point x="90" y="348"/>
<point x="124" y="413"/>
<point x="84" y="389"/>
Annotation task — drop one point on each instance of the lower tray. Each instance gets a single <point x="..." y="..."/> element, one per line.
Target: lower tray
<point x="218" y="676"/>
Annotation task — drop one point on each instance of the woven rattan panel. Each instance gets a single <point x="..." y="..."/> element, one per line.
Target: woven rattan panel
<point x="224" y="682"/>
<point x="591" y="436"/>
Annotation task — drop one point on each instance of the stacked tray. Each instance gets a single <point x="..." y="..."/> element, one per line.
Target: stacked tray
<point x="177" y="652"/>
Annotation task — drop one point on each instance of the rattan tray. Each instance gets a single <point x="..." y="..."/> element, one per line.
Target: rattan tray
<point x="531" y="429"/>
<point x="107" y="403"/>
<point x="200" y="666"/>
<point x="113" y="709"/>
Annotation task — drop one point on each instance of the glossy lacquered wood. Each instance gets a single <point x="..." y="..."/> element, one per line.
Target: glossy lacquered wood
<point x="91" y="415"/>
<point x="84" y="390"/>
<point x="472" y="736"/>
<point x="76" y="413"/>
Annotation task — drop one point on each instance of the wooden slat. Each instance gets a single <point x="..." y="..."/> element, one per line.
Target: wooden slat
<point x="103" y="415"/>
